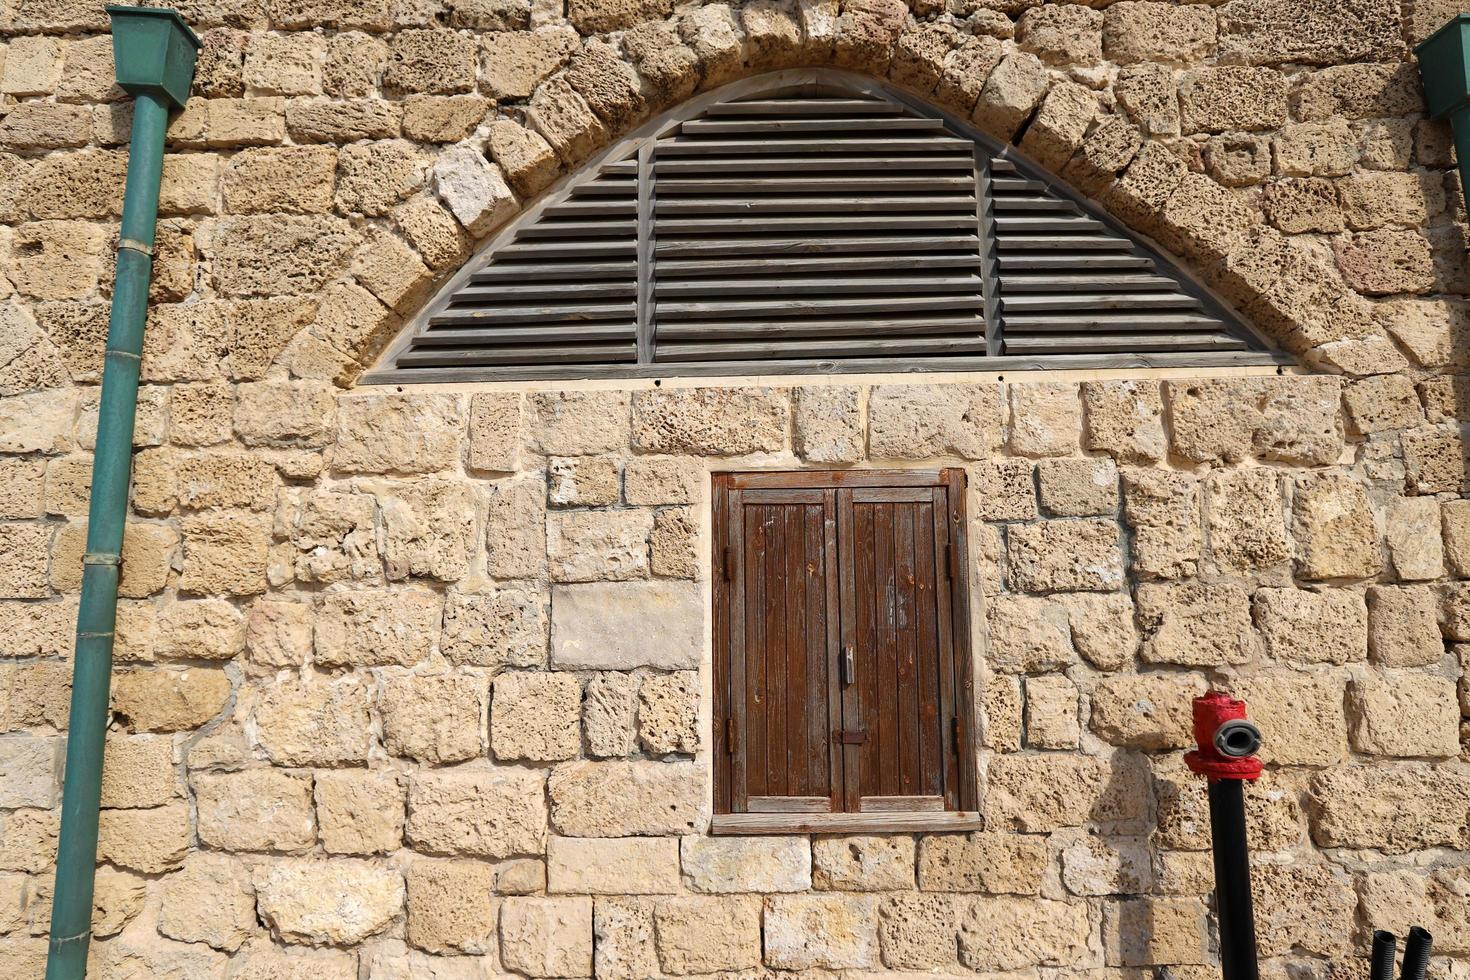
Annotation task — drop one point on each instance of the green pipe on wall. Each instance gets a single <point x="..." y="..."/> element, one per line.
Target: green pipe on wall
<point x="1444" y="65"/>
<point x="154" y="53"/>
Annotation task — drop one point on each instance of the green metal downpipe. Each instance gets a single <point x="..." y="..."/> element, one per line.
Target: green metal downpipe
<point x="1444" y="64"/>
<point x="154" y="52"/>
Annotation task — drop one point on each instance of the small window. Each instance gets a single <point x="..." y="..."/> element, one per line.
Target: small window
<point x="842" y="673"/>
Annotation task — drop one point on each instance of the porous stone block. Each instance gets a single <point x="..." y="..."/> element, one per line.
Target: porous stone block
<point x="626" y="799"/>
<point x="1163" y="509"/>
<point x="997" y="863"/>
<point x="377" y="627"/>
<point x="261" y="809"/>
<point x="804" y="932"/>
<point x="210" y="900"/>
<point x="1308" y="32"/>
<point x="1232" y="98"/>
<point x="313" y="722"/>
<point x="428" y="529"/>
<point x="1334" y="528"/>
<point x="1002" y="490"/>
<point x="1395" y="807"/>
<point x="504" y="628"/>
<point x="703" y="933"/>
<point x="1010" y="94"/>
<point x="373" y="177"/>
<point x="1064" y="35"/>
<point x="917" y="931"/>
<point x="274" y="255"/>
<point x="407" y="433"/>
<point x="1403" y="626"/>
<point x="360" y="811"/>
<point x="434" y="718"/>
<point x="1404" y="715"/>
<point x="290" y="179"/>
<point x="1149" y="711"/>
<point x="598" y="545"/>
<point x="1042" y="793"/>
<point x="1001" y="705"/>
<point x="443" y="118"/>
<point x="668" y="713"/>
<point x="1005" y="933"/>
<point x="1046" y="419"/>
<point x="1437" y="459"/>
<point x="1077" y="487"/>
<point x="623" y="625"/>
<point x="1065" y="556"/>
<point x="1306" y="906"/>
<point x="863" y="863"/>
<point x="1147" y="931"/>
<point x="1125" y="420"/>
<point x="148" y="553"/>
<point x="151" y="841"/>
<point x="285" y="413"/>
<point x="566" y="122"/>
<point x="1093" y="865"/>
<point x="301" y="899"/>
<point x="528" y="161"/>
<point x="1455" y="523"/>
<point x="829" y="424"/>
<point x="1303" y="713"/>
<point x="1302" y="627"/>
<point x="603" y="866"/>
<point x="726" y="865"/>
<point x="711" y="421"/>
<point x="534" y="716"/>
<point x="1144" y="31"/>
<point x="449" y="908"/>
<point x="1246" y="520"/>
<point x="1412" y="533"/>
<point x="1196" y="624"/>
<point x="481" y="813"/>
<point x="138" y="771"/>
<point x="168" y="700"/>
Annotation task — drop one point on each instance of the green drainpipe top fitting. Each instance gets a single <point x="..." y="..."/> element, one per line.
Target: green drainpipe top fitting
<point x="1444" y="64"/>
<point x="154" y="52"/>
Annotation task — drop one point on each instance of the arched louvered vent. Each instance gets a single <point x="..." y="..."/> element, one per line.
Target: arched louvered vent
<point x="811" y="222"/>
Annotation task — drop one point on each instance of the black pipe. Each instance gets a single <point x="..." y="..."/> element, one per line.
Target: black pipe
<point x="1416" y="954"/>
<point x="1233" y="906"/>
<point x="1385" y="947"/>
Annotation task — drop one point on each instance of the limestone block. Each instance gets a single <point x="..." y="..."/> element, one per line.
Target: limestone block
<point x="1308" y="32"/>
<point x="1067" y="36"/>
<point x="353" y="64"/>
<point x="301" y="898"/>
<point x="1077" y="487"/>
<point x="260" y="809"/>
<point x="408" y="433"/>
<point x="360" y="811"/>
<point x="1124" y="419"/>
<point x="515" y="528"/>
<point x="1103" y="628"/>
<point x="527" y="160"/>
<point x="1326" y="149"/>
<point x="432" y="231"/>
<point x="1147" y="931"/>
<point x="1196" y="624"/>
<point x="32" y="66"/>
<point x="711" y="421"/>
<point x="1163" y="509"/>
<point x="313" y="722"/>
<point x="610" y="714"/>
<point x="27" y="487"/>
<point x="577" y="423"/>
<point x="481" y="813"/>
<point x="45" y="126"/>
<point x="493" y="15"/>
<point x="668" y="713"/>
<point x="1002" y="490"/>
<point x="1304" y="715"/>
<point x="534" y="716"/>
<point x="565" y="120"/>
<point x="1232" y="98"/>
<point x="57" y="260"/>
<point x="598" y="545"/>
<point x="449" y="907"/>
<point x="863" y="863"/>
<point x="601" y="866"/>
<point x="619" y="626"/>
<point x="833" y="932"/>
<point x="625" y="799"/>
<point x="28" y="839"/>
<point x="285" y="413"/>
<point x="1334" y="528"/>
<point x="335" y="535"/>
<point x="1445" y="398"/>
<point x="1437" y="460"/>
<point x="29" y="768"/>
<point x="1302" y="204"/>
<point x="1385" y="260"/>
<point x="444" y="118"/>
<point x="716" y="38"/>
<point x="33" y="695"/>
<point x="997" y="863"/>
<point x="1381" y="404"/>
<point x="674" y="544"/>
<point x="1011" y="933"/>
<point x="965" y="71"/>
<point x="1395" y="807"/>
<point x="1070" y="556"/>
<point x="1246" y="520"/>
<point x="1372" y="200"/>
<point x="434" y="718"/>
<point x="1305" y="906"/>
<point x="1147" y="93"/>
<point x="1302" y="627"/>
<point x="918" y="931"/>
<point x="1051" y="713"/>
<point x="609" y="85"/>
<point x="1403" y="628"/>
<point x="1144" y="31"/>
<point x="138" y="771"/>
<point x="866" y="32"/>
<point x="829" y="424"/>
<point x="429" y="529"/>
<point x="1241" y="160"/>
<point x="272" y="255"/>
<point x="1404" y="715"/>
<point x="495" y="430"/>
<point x="376" y="627"/>
<point x="210" y="900"/>
<point x="1046" y="419"/>
<point x="662" y="480"/>
<point x="25" y="548"/>
<point x="707" y="934"/>
<point x="1455" y="521"/>
<point x="773" y="31"/>
<point x="1042" y="793"/>
<point x="150" y="841"/>
<point x="725" y="865"/>
<point x="920" y="55"/>
<point x="473" y="189"/>
<point x="290" y="179"/>
<point x="1011" y="93"/>
<point x="1001" y="706"/>
<point x="168" y="700"/>
<point x="1027" y="635"/>
<point x="624" y="936"/>
<point x="505" y="628"/>
<point x="1093" y="865"/>
<point x="373" y="177"/>
<point x="440" y="62"/>
<point x="1412" y="533"/>
<point x="1150" y="711"/>
<point x="547" y="937"/>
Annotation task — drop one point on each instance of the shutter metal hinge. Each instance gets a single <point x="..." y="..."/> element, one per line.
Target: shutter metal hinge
<point x="729" y="736"/>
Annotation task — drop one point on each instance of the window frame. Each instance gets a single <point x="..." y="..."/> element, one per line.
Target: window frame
<point x="958" y="718"/>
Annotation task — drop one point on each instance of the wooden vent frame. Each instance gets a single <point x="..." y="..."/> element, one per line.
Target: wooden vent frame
<point x="812" y="221"/>
<point x="843" y="681"/>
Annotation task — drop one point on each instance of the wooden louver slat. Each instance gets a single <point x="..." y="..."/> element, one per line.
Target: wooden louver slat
<point x="824" y="225"/>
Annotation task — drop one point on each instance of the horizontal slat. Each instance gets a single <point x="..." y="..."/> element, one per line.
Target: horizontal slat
<point x="1097" y="301"/>
<point x="1105" y="343"/>
<point x="827" y="285"/>
<point x="535" y="314"/>
<point x="867" y="347"/>
<point x="690" y="330"/>
<point x="676" y="268"/>
<point x="1084" y="281"/>
<point x="438" y="336"/>
<point x="1019" y="262"/>
<point x="683" y="146"/>
<point x="779" y="225"/>
<point x="796" y="246"/>
<point x="893" y="304"/>
<point x="802" y="205"/>
<point x="615" y="228"/>
<point x="675" y="185"/>
<point x="567" y="271"/>
<point x="1034" y="205"/>
<point x="1016" y="185"/>
<point x="760" y="127"/>
<point x="864" y="163"/>
<point x="1077" y="322"/>
<point x="559" y="250"/>
<point x="619" y="207"/>
<point x="503" y="293"/>
<point x="1026" y="243"/>
<point x="795" y="107"/>
<point x="483" y="356"/>
<point x="1025" y="224"/>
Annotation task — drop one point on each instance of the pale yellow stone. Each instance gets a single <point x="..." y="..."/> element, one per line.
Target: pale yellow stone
<point x="622" y="799"/>
<point x="359" y="811"/>
<point x="302" y="899"/>
<point x="482" y="813"/>
<point x="261" y="809"/>
<point x="547" y="937"/>
<point x="602" y="866"/>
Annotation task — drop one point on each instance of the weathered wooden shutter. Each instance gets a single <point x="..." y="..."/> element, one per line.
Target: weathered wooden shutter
<point x="841" y="666"/>
<point x="812" y="222"/>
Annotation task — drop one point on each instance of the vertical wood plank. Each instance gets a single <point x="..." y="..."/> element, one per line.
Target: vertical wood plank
<point x="941" y="531"/>
<point x="758" y="655"/>
<point x="989" y="263"/>
<point x="740" y="577"/>
<point x="853" y="758"/>
<point x="964" y="668"/>
<point x="906" y="688"/>
<point x="887" y="674"/>
<point x="646" y="206"/>
<point x="832" y="597"/>
<point x="926" y="633"/>
<point x="720" y="667"/>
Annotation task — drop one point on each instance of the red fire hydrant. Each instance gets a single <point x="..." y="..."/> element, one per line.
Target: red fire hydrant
<point x="1226" y="755"/>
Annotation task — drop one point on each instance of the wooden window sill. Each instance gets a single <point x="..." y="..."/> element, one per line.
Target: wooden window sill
<point x="844" y="823"/>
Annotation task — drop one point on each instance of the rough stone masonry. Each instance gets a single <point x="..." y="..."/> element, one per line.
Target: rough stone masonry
<point x="376" y="715"/>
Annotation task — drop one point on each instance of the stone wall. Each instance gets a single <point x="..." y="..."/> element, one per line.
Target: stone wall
<point x="389" y="702"/>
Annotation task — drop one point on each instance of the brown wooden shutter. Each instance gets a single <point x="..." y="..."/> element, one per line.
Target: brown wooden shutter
<point x="841" y="666"/>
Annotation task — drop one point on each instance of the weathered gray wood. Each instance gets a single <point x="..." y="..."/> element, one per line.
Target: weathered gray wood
<point x="646" y="232"/>
<point x="556" y="271"/>
<point x="827" y="223"/>
<point x="1025" y="224"/>
<point x="1084" y="281"/>
<point x="1098" y="301"/>
<point x="863" y="163"/>
<point x="797" y="246"/>
<point x="686" y="147"/>
<point x="512" y="292"/>
<point x="1106" y="321"/>
<point x="824" y="306"/>
<point x="1022" y="261"/>
<point x="1079" y="343"/>
<point x="676" y="268"/>
<point x="834" y="285"/>
<point x="780" y="124"/>
<point x="1019" y="243"/>
<point x="673" y="185"/>
<point x="953" y="323"/>
<point x="985" y="222"/>
<point x="486" y="356"/>
<point x="794" y="205"/>
<point x="541" y="334"/>
<point x="535" y="314"/>
<point x="794" y="107"/>
<point x="866" y="347"/>
<point x="562" y="250"/>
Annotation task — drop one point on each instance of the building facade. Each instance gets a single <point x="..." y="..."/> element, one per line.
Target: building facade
<point x="430" y="675"/>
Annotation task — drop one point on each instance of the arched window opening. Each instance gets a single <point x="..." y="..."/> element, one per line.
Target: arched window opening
<point x="812" y="222"/>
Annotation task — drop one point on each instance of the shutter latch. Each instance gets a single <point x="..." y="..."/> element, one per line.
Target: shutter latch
<point x="730" y="736"/>
<point x="725" y="563"/>
<point x="852" y="736"/>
